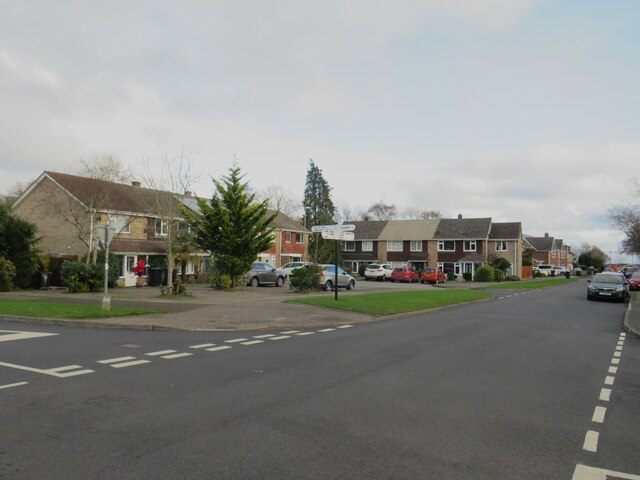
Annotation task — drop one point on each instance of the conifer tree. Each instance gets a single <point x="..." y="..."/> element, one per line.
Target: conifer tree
<point x="318" y="210"/>
<point x="233" y="226"/>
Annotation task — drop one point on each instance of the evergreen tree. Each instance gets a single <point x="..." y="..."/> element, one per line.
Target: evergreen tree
<point x="318" y="210"/>
<point x="18" y="244"/>
<point x="233" y="226"/>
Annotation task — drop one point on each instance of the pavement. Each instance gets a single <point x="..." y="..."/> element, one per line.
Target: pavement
<point x="244" y="308"/>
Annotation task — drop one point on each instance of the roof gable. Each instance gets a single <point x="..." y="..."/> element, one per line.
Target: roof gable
<point x="506" y="231"/>
<point x="409" y="230"/>
<point x="463" y="228"/>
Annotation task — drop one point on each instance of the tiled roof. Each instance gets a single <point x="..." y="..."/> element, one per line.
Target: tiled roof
<point x="367" y="230"/>
<point x="463" y="228"/>
<point x="506" y="231"/>
<point x="409" y="230"/>
<point x="540" y="244"/>
<point x="284" y="222"/>
<point x="118" y="197"/>
<point x="132" y="246"/>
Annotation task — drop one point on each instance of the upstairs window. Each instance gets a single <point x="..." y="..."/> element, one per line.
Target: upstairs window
<point x="287" y="237"/>
<point x="416" y="245"/>
<point x="299" y="237"/>
<point x="162" y="227"/>
<point x="469" y="245"/>
<point x="501" y="246"/>
<point x="367" y="246"/>
<point x="349" y="246"/>
<point x="446" y="245"/>
<point x="394" y="246"/>
<point x="121" y="223"/>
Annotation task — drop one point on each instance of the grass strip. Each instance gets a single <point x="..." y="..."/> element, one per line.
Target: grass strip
<point x="33" y="308"/>
<point x="390" y="303"/>
<point x="527" y="285"/>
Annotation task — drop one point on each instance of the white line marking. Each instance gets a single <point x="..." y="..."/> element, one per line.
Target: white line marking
<point x="236" y="340"/>
<point x="615" y="361"/>
<point x="215" y="349"/>
<point x="75" y="373"/>
<point x="63" y="369"/>
<point x="130" y="364"/>
<point x="290" y="332"/>
<point x="252" y="342"/>
<point x="177" y="355"/>
<point x="305" y="333"/>
<point x="264" y="336"/>
<point x="282" y="337"/>
<point x="500" y="298"/>
<point x="623" y="334"/>
<point x="161" y="352"/>
<point x="583" y="472"/>
<point x="598" y="415"/>
<point x="591" y="441"/>
<point x="605" y="394"/>
<point x="609" y="380"/>
<point x="613" y="370"/>
<point x="203" y="345"/>
<point x="618" y="348"/>
<point x="17" y="335"/>
<point x="617" y="354"/>
<point x="115" y="360"/>
<point x="11" y="385"/>
<point x="345" y="326"/>
<point x="324" y="330"/>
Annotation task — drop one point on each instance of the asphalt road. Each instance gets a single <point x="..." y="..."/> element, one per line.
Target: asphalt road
<point x="505" y="389"/>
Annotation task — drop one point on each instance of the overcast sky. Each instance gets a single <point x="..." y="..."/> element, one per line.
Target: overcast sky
<point x="520" y="110"/>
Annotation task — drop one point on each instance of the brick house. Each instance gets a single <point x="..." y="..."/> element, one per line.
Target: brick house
<point x="409" y="242"/>
<point x="291" y="241"/>
<point x="505" y="241"/>
<point x="364" y="249"/>
<point x="550" y="250"/>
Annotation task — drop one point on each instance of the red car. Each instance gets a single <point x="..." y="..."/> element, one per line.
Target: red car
<point x="433" y="275"/>
<point x="404" y="274"/>
<point x="634" y="281"/>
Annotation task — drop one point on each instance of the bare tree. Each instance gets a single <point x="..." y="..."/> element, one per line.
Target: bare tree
<point x="169" y="179"/>
<point x="412" y="213"/>
<point x="382" y="211"/>
<point x="626" y="218"/>
<point x="280" y="199"/>
<point x="107" y="167"/>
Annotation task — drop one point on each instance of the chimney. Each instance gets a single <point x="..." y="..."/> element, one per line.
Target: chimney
<point x="546" y="234"/>
<point x="135" y="183"/>
<point x="459" y="216"/>
<point x="187" y="193"/>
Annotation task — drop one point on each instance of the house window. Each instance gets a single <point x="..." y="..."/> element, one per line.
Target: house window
<point x="189" y="269"/>
<point x="394" y="246"/>
<point x="299" y="237"/>
<point x="501" y="246"/>
<point x="183" y="227"/>
<point x="553" y="254"/>
<point x="446" y="245"/>
<point x="287" y="237"/>
<point x="562" y="254"/>
<point x="416" y="245"/>
<point x="162" y="227"/>
<point x="349" y="246"/>
<point x="120" y="222"/>
<point x="469" y="245"/>
<point x="367" y="246"/>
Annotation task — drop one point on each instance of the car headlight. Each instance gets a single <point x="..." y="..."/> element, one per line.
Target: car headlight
<point x="620" y="289"/>
<point x="590" y="287"/>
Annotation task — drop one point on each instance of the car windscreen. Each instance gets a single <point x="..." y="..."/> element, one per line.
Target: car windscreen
<point x="616" y="279"/>
<point x="373" y="267"/>
<point x="399" y="269"/>
<point x="429" y="270"/>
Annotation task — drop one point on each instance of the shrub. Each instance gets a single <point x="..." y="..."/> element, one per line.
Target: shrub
<point x="537" y="274"/>
<point x="498" y="275"/>
<point x="361" y="269"/>
<point x="178" y="289"/>
<point x="467" y="276"/>
<point x="451" y="277"/>
<point x="512" y="278"/>
<point x="78" y="277"/>
<point x="305" y="279"/>
<point x="7" y="275"/>
<point x="501" y="264"/>
<point x="484" y="274"/>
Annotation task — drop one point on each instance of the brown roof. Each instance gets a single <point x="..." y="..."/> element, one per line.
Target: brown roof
<point x="103" y="195"/>
<point x="540" y="244"/>
<point x="132" y="245"/>
<point x="285" y="222"/>
<point x="463" y="229"/>
<point x="367" y="230"/>
<point x="505" y="231"/>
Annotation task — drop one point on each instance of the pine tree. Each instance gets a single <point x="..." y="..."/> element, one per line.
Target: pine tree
<point x="318" y="210"/>
<point x="233" y="226"/>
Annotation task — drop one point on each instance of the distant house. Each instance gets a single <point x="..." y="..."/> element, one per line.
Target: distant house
<point x="291" y="240"/>
<point x="549" y="250"/>
<point x="505" y="241"/>
<point x="364" y="249"/>
<point x="409" y="242"/>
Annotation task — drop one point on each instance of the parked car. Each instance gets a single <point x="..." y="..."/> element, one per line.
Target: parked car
<point x="629" y="271"/>
<point x="634" y="281"/>
<point x="264" y="274"/>
<point x="378" y="271"/>
<point x="404" y="274"/>
<point x="328" y="278"/>
<point x="288" y="268"/>
<point x="608" y="285"/>
<point x="544" y="270"/>
<point x="433" y="275"/>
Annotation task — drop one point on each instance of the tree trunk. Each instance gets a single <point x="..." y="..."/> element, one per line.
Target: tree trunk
<point x="170" y="265"/>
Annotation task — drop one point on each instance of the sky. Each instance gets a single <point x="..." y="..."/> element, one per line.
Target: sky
<point x="519" y="110"/>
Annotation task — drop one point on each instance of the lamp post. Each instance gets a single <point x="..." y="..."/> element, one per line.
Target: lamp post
<point x="106" y="234"/>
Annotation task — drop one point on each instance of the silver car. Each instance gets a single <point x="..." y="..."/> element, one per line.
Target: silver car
<point x="328" y="278"/>
<point x="264" y="274"/>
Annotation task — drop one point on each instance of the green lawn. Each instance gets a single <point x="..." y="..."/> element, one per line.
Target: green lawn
<point x="30" y="308"/>
<point x="390" y="303"/>
<point x="542" y="283"/>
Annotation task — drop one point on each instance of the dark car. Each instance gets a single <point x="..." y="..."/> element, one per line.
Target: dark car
<point x="264" y="274"/>
<point x="404" y="274"/>
<point x="634" y="281"/>
<point x="608" y="285"/>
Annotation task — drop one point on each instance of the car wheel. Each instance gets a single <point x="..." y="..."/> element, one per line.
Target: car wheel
<point x="328" y="286"/>
<point x="351" y="285"/>
<point x="280" y="282"/>
<point x="384" y="278"/>
<point x="255" y="282"/>
<point x="589" y="297"/>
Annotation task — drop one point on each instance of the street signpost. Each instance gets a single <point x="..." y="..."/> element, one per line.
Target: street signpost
<point x="340" y="232"/>
<point x="106" y="234"/>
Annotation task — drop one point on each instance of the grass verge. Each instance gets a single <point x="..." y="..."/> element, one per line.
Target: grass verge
<point x="522" y="285"/>
<point x="31" y="308"/>
<point x="390" y="303"/>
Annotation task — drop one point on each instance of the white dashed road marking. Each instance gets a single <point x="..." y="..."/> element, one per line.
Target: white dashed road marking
<point x="161" y="352"/>
<point x="216" y="349"/>
<point x="613" y="369"/>
<point x="615" y="361"/>
<point x="591" y="441"/>
<point x="605" y="394"/>
<point x="54" y="372"/>
<point x="252" y="342"/>
<point x="115" y="360"/>
<point x="281" y="337"/>
<point x="290" y="332"/>
<point x="264" y="336"/>
<point x="303" y="334"/>
<point x="598" y="415"/>
<point x="129" y="364"/>
<point x="203" y="345"/>
<point x="324" y="330"/>
<point x="176" y="355"/>
<point x="582" y="472"/>
<point x="236" y="340"/>
<point x="11" y="385"/>
<point x="345" y="326"/>
<point x="609" y="380"/>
